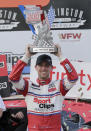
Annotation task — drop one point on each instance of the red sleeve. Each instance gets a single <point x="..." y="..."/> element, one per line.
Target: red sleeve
<point x="17" y="70"/>
<point x="62" y="88"/>
<point x="70" y="70"/>
<point x="15" y="74"/>
<point x="71" y="75"/>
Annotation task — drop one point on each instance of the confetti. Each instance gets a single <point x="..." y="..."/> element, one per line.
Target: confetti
<point x="79" y="89"/>
<point x="67" y="128"/>
<point x="81" y="94"/>
<point x="69" y="109"/>
<point x="84" y="114"/>
<point x="69" y="102"/>
<point x="65" y="124"/>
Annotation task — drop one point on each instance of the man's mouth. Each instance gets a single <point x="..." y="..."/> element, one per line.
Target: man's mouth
<point x="43" y="72"/>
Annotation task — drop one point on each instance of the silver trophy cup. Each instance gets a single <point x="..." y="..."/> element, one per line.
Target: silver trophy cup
<point x="43" y="40"/>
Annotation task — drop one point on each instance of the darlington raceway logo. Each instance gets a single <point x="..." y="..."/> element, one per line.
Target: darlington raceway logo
<point x="8" y="19"/>
<point x="70" y="36"/>
<point x="12" y="19"/>
<point x="68" y="18"/>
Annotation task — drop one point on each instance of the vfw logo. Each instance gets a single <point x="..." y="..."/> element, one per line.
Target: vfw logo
<point x="70" y="36"/>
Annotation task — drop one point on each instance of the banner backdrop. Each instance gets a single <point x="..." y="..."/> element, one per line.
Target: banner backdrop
<point x="75" y="44"/>
<point x="11" y="19"/>
<point x="82" y="89"/>
<point x="68" y="14"/>
<point x="71" y="27"/>
<point x="71" y="14"/>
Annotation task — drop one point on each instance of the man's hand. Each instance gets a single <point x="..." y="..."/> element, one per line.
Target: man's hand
<point x="58" y="53"/>
<point x="1" y="113"/>
<point x="27" y="51"/>
<point x="18" y="115"/>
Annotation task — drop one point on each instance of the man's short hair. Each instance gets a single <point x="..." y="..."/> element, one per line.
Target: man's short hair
<point x="44" y="58"/>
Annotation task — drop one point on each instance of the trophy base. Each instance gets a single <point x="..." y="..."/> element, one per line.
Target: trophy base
<point x="43" y="50"/>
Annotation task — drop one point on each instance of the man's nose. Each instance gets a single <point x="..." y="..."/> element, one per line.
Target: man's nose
<point x="43" y="67"/>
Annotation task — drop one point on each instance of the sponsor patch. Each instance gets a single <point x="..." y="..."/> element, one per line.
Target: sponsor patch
<point x="3" y="85"/>
<point x="1" y="64"/>
<point x="68" y="68"/>
<point x="51" y="87"/>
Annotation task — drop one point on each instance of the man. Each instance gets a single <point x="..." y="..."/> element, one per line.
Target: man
<point x="11" y="121"/>
<point x="44" y="99"/>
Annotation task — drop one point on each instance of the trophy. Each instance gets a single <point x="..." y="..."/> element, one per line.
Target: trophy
<point x="43" y="40"/>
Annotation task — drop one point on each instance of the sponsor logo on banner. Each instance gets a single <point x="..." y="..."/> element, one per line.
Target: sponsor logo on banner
<point x="12" y="60"/>
<point x="82" y="76"/>
<point x="3" y="85"/>
<point x="14" y="104"/>
<point x="11" y="19"/>
<point x="1" y="64"/>
<point x="70" y="36"/>
<point x="69" y="15"/>
<point x="71" y="20"/>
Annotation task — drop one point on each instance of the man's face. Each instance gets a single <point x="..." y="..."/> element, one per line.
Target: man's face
<point x="43" y="70"/>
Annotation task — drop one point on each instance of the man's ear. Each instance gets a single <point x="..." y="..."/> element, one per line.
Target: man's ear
<point x="36" y="67"/>
<point x="51" y="68"/>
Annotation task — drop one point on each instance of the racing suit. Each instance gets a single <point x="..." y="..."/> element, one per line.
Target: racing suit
<point x="44" y="99"/>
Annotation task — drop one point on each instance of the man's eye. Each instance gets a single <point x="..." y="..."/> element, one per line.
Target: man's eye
<point x="40" y="64"/>
<point x="47" y="65"/>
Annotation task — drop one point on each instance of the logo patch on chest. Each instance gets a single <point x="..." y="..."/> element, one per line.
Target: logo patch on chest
<point x="43" y="104"/>
<point x="51" y="87"/>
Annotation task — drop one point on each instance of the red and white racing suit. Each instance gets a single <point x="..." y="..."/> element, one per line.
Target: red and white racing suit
<point x="44" y="99"/>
